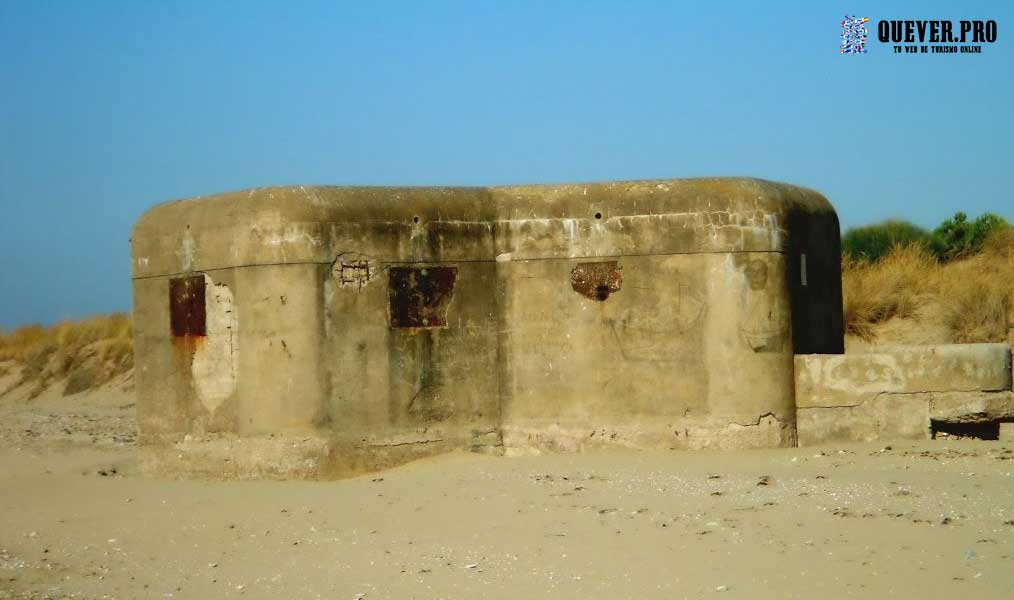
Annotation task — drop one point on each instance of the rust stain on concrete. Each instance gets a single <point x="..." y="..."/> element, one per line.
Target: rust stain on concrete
<point x="597" y="280"/>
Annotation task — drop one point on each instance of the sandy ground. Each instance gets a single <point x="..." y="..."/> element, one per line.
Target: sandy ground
<point x="928" y="520"/>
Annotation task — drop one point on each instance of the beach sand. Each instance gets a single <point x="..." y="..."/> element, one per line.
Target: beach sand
<point x="910" y="520"/>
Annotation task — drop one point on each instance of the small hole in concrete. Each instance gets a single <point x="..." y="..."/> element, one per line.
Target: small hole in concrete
<point x="415" y="219"/>
<point x="598" y="215"/>
<point x="602" y="292"/>
<point x="986" y="430"/>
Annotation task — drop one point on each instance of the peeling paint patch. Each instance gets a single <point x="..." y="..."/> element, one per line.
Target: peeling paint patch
<point x="597" y="280"/>
<point x="419" y="295"/>
<point x="214" y="365"/>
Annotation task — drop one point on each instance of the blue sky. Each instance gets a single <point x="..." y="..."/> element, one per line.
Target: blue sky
<point x="108" y="107"/>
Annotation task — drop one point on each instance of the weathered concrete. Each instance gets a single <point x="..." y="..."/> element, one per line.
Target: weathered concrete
<point x="1006" y="433"/>
<point x="900" y="392"/>
<point x="370" y="326"/>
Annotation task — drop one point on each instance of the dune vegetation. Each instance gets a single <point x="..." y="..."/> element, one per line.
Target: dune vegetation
<point x="86" y="353"/>
<point x="971" y="295"/>
<point x="956" y="237"/>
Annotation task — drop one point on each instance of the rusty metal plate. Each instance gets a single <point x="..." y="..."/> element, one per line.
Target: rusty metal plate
<point x="419" y="295"/>
<point x="597" y="280"/>
<point x="186" y="306"/>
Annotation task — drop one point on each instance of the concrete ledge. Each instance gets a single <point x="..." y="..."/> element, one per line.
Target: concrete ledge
<point x="891" y="416"/>
<point x="901" y="392"/>
<point x="971" y="407"/>
<point x="887" y="417"/>
<point x="839" y="380"/>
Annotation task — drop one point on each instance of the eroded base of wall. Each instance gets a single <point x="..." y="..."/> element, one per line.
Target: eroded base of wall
<point x="229" y="456"/>
<point x="767" y="431"/>
<point x="322" y="456"/>
<point x="226" y="456"/>
<point x="355" y="456"/>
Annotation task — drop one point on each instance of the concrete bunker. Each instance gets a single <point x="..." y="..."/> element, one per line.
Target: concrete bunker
<point x="324" y="331"/>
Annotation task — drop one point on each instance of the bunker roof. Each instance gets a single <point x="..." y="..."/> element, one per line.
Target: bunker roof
<point x="304" y="224"/>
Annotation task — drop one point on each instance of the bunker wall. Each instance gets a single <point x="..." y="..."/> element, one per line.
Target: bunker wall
<point x="661" y="362"/>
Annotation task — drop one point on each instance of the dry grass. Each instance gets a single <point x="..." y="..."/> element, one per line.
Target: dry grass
<point x="978" y="293"/>
<point x="895" y="286"/>
<point x="87" y="352"/>
<point x="975" y="294"/>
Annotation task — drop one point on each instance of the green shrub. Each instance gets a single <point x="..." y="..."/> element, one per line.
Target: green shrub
<point x="954" y="238"/>
<point x="873" y="242"/>
<point x="958" y="236"/>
